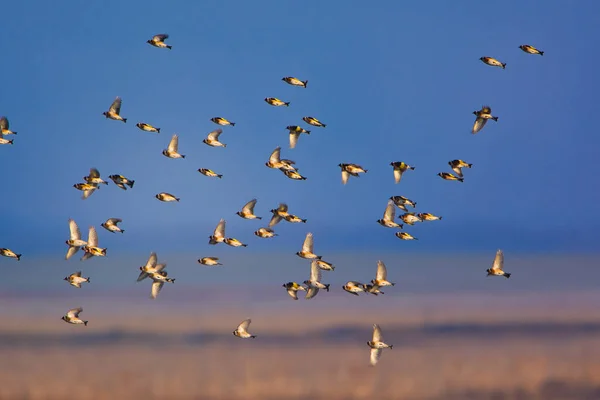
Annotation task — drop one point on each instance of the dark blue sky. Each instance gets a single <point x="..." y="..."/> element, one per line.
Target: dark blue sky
<point x="393" y="81"/>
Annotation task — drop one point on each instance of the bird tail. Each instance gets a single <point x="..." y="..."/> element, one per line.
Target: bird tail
<point x="308" y="132"/>
<point x="391" y="346"/>
<point x="182" y="156"/>
<point x="232" y="123"/>
<point x="19" y="257"/>
<point x="244" y="245"/>
<point x="461" y="179"/>
<point x="11" y="141"/>
<point x="157" y="130"/>
<point x="85" y="323"/>
<point x="304" y="220"/>
<point x="324" y="125"/>
<point x="122" y="230"/>
<point x="401" y="226"/>
<point x="503" y="65"/>
<point x="258" y="217"/>
<point x="318" y="257"/>
<point x="287" y="104"/>
<point x="305" y="83"/>
<point x="224" y="145"/>
<point x="541" y="54"/>
<point x="177" y="199"/>
<point x="88" y="280"/>
<point x="440" y="218"/>
<point x="131" y="184"/>
<point x="124" y="119"/>
<point x="253" y="336"/>
<point x="219" y="176"/>
<point x="366" y="170"/>
<point x="169" y="47"/>
<point x="495" y="119"/>
<point x="507" y="274"/>
<point x="327" y="287"/>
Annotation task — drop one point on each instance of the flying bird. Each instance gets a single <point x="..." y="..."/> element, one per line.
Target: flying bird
<point x="242" y="330"/>
<point x="222" y="121"/>
<point x="87" y="188"/>
<point x="295" y="132"/>
<point x="498" y="266"/>
<point x="74" y="242"/>
<point x="218" y="235"/>
<point x="265" y="233"/>
<point x="4" y="127"/>
<point x="381" y="276"/>
<point x="72" y="317"/>
<point x="307" y="249"/>
<point x="314" y="122"/>
<point x="76" y="280"/>
<point x="449" y="177"/>
<point x="278" y="214"/>
<point x="399" y="168"/>
<point x="377" y="345"/>
<point x="172" y="150"/>
<point x="293" y="174"/>
<point x="210" y="173"/>
<point x="248" y="210"/>
<point x="530" y="49"/>
<point x="166" y="197"/>
<point x="294" y="81"/>
<point x="351" y="169"/>
<point x="428" y="217"/>
<point x="209" y="261"/>
<point x="111" y="225"/>
<point x="147" y="127"/>
<point x="213" y="139"/>
<point x="405" y="236"/>
<point x="410" y="218"/>
<point x="151" y="267"/>
<point x="388" y="217"/>
<point x="91" y="249"/>
<point x="276" y="162"/>
<point x="159" y="41"/>
<point x="493" y="62"/>
<point x="233" y="242"/>
<point x="458" y="165"/>
<point x="481" y="119"/>
<point x="402" y="201"/>
<point x="122" y="181"/>
<point x="294" y="219"/>
<point x="276" y="102"/>
<point x="9" y="253"/>
<point x="114" y="112"/>
<point x="5" y="141"/>
<point x="94" y="177"/>
<point x="354" y="287"/>
<point x="315" y="278"/>
<point x="292" y="289"/>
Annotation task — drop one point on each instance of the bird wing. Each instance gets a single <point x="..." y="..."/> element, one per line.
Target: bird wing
<point x="156" y="287"/>
<point x="375" y="356"/>
<point x="75" y="233"/>
<point x="88" y="193"/>
<point x="94" y="173"/>
<point x="160" y="37"/>
<point x="293" y="139"/>
<point x="345" y="176"/>
<point x="249" y="207"/>
<point x="214" y="135"/>
<point x="293" y="294"/>
<point x="315" y="272"/>
<point x="486" y="110"/>
<point x="220" y="229"/>
<point x="74" y="312"/>
<point x="275" y="219"/>
<point x="377" y="336"/>
<point x="151" y="263"/>
<point x="498" y="261"/>
<point x="160" y="267"/>
<point x="113" y="221"/>
<point x="275" y="156"/>
<point x="479" y="124"/>
<point x="173" y="144"/>
<point x="308" y="243"/>
<point x="311" y="292"/>
<point x="282" y="208"/>
<point x="92" y="237"/>
<point x="390" y="211"/>
<point x="381" y="271"/>
<point x="243" y="326"/>
<point x="458" y="171"/>
<point x="3" y="123"/>
<point x="115" y="107"/>
<point x="86" y="256"/>
<point x="71" y="252"/>
<point x="143" y="275"/>
<point x="77" y="274"/>
<point x="397" y="175"/>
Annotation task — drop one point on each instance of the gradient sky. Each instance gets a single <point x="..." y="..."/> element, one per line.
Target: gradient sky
<point x="393" y="81"/>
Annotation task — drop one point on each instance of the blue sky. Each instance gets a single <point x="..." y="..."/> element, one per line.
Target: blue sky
<point x="393" y="81"/>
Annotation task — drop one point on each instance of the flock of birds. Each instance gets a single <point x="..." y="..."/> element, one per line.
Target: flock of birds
<point x="157" y="272"/>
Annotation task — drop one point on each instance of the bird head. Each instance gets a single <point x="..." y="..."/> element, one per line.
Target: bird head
<point x="64" y="318"/>
<point x="149" y="41"/>
<point x="234" y="333"/>
<point x="481" y="58"/>
<point x="105" y="114"/>
<point x="306" y="282"/>
<point x="66" y="241"/>
<point x="157" y="196"/>
<point x="164" y="152"/>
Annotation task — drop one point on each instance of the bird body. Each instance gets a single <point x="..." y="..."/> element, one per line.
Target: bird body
<point x="75" y="279"/>
<point x="428" y="217"/>
<point x="314" y="122"/>
<point x="4" y="127"/>
<point x="222" y="121"/>
<point x="307" y="248"/>
<point x="247" y="211"/>
<point x="377" y="345"/>
<point x="209" y="261"/>
<point x="410" y="218"/>
<point x="233" y="242"/>
<point x="212" y="139"/>
<point x="324" y="265"/>
<point x="150" y="267"/>
<point x="381" y="276"/>
<point x="350" y="169"/>
<point x="94" y="177"/>
<point x="292" y="288"/>
<point x="218" y="235"/>
<point x="9" y="253"/>
<point x="449" y="177"/>
<point x="405" y="236"/>
<point x="265" y="233"/>
<point x="121" y="181"/>
<point x="111" y="225"/>
<point x="159" y="41"/>
<point x="399" y="168"/>
<point x="458" y="165"/>
<point x="294" y="219"/>
<point x="401" y="200"/>
<point x="388" y="217"/>
<point x="315" y="278"/>
<point x="354" y="287"/>
<point x="295" y="132"/>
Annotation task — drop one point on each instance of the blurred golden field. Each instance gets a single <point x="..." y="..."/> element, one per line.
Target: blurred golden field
<point x="448" y="346"/>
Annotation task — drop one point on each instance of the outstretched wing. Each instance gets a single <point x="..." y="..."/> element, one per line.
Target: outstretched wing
<point x="275" y="219"/>
<point x="345" y="176"/>
<point x="293" y="294"/>
<point x="390" y="211"/>
<point x="71" y="252"/>
<point x="214" y="135"/>
<point x="156" y="287"/>
<point x="249" y="207"/>
<point x="294" y="139"/>
<point x="275" y="156"/>
<point x="375" y="356"/>
<point x="398" y="174"/>
<point x="3" y="123"/>
<point x="458" y="171"/>
<point x="74" y="312"/>
<point x="115" y="107"/>
<point x="315" y="272"/>
<point x="220" y="229"/>
<point x="86" y="256"/>
<point x="160" y="37"/>
<point x="311" y="292"/>
<point x="243" y="326"/>
<point x="377" y="336"/>
<point x="92" y="237"/>
<point x="75" y="233"/>
<point x="381" y="271"/>
<point x="479" y="124"/>
<point x="113" y="221"/>
<point x="173" y="144"/>
<point x="283" y="208"/>
<point x="498" y="261"/>
<point x="151" y="263"/>
<point x="94" y="173"/>
<point x="87" y="193"/>
<point x="308" y="243"/>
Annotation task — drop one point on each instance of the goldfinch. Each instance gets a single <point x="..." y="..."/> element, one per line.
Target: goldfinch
<point x="276" y="102"/>
<point x="213" y="139"/>
<point x="498" y="266"/>
<point x="209" y="261"/>
<point x="247" y="211"/>
<point x="72" y="317"/>
<point x="377" y="345"/>
<point x="493" y="62"/>
<point x="76" y="280"/>
<point x="172" y="150"/>
<point x="449" y="177"/>
<point x="294" y="81"/>
<point x="242" y="330"/>
<point x="147" y="127"/>
<point x="314" y="122"/>
<point x="4" y="127"/>
<point x="530" y="49"/>
<point x="209" y="173"/>
<point x="222" y="121"/>
<point x="307" y="248"/>
<point x="111" y="225"/>
<point x="159" y="41"/>
<point x="458" y="165"/>
<point x="292" y="288"/>
<point x="9" y="253"/>
<point x="114" y="112"/>
<point x="399" y="168"/>
<point x="388" y="217"/>
<point x="166" y="197"/>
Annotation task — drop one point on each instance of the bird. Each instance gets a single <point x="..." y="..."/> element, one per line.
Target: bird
<point x="307" y="249"/>
<point x="458" y="165"/>
<point x="166" y="197"/>
<point x="373" y="289"/>
<point x="74" y="242"/>
<point x="111" y="225"/>
<point x="324" y="265"/>
<point x="399" y="168"/>
<point x="150" y="267"/>
<point x="213" y="139"/>
<point x="482" y="117"/>
<point x="314" y="122"/>
<point x="222" y="121"/>
<point x="377" y="345"/>
<point x="449" y="177"/>
<point x="76" y="280"/>
<point x="294" y="81"/>
<point x="247" y="211"/>
<point x="209" y="173"/>
<point x="350" y="169"/>
<point x="72" y="316"/>
<point x="209" y="261"/>
<point x="388" y="217"/>
<point x="294" y="219"/>
<point x="147" y="127"/>
<point x="493" y="62"/>
<point x="498" y="266"/>
<point x="295" y="132"/>
<point x="5" y="141"/>
<point x="428" y="217"/>
<point x="293" y="174"/>
<point x="114" y="112"/>
<point x="276" y="162"/>
<point x="405" y="236"/>
<point x="530" y="49"/>
<point x="218" y="235"/>
<point x="121" y="181"/>
<point x="265" y="233"/>
<point x="278" y="214"/>
<point x="242" y="330"/>
<point x="315" y="278"/>
<point x="292" y="288"/>
<point x="410" y="218"/>
<point x="159" y="41"/>
<point x="9" y="253"/>
<point x="233" y="242"/>
<point x="311" y="292"/>
<point x="91" y="249"/>
<point x="87" y="188"/>
<point x="401" y="200"/>
<point x="172" y="150"/>
<point x="274" y="101"/>
<point x="381" y="276"/>
<point x="354" y="287"/>
<point x="94" y="177"/>
<point x="4" y="127"/>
